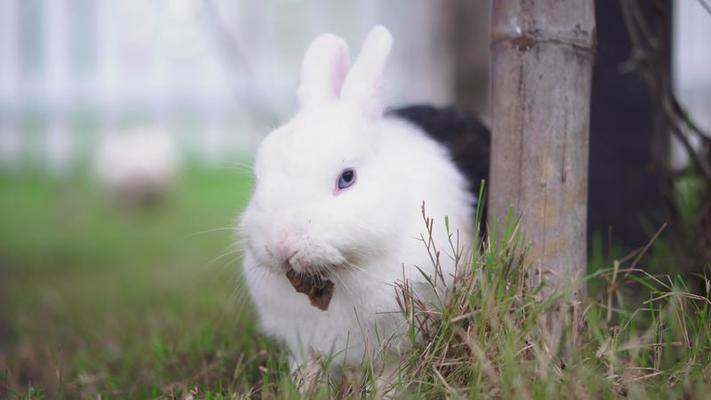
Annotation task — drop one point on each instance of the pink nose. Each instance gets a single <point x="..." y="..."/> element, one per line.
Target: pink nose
<point x="283" y="245"/>
<point x="282" y="250"/>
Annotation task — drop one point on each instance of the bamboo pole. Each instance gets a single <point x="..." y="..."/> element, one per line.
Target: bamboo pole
<point x="542" y="57"/>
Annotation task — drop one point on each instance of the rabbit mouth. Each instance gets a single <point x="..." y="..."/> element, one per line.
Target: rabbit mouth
<point x="316" y="287"/>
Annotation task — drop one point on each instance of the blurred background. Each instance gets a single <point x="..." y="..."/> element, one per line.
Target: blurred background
<point x="126" y="133"/>
<point x="215" y="74"/>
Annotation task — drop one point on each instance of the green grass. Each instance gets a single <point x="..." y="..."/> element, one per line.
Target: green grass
<point x="96" y="301"/>
<point x="126" y="304"/>
<point x="641" y="336"/>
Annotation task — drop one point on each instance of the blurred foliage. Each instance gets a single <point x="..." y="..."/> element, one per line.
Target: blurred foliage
<point x="119" y="302"/>
<point x="97" y="301"/>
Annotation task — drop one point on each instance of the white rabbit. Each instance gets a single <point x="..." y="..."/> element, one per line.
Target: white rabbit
<point x="338" y="200"/>
<point x="137" y="166"/>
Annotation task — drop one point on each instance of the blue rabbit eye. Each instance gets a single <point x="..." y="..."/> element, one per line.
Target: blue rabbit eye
<point x="347" y="178"/>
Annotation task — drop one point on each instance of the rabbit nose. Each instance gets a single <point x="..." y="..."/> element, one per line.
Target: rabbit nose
<point x="282" y="250"/>
<point x="284" y="246"/>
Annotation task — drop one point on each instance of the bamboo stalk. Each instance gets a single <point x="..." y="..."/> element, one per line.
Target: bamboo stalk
<point x="542" y="58"/>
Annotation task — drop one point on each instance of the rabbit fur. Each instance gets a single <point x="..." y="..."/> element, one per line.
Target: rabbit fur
<point x="364" y="238"/>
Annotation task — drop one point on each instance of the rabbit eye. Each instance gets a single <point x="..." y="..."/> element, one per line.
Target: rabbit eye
<point x="347" y="179"/>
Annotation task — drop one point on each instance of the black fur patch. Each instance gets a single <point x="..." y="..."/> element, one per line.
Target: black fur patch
<point x="466" y="137"/>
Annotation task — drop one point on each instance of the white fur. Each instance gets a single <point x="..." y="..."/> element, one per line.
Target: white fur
<point x="366" y="237"/>
<point x="133" y="164"/>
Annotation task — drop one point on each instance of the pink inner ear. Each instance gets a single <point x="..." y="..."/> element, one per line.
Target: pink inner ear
<point x="362" y="83"/>
<point x="323" y="69"/>
<point x="339" y="72"/>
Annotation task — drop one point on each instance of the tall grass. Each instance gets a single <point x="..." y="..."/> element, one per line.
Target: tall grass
<point x="639" y="336"/>
<point x="101" y="305"/>
<point x="485" y="339"/>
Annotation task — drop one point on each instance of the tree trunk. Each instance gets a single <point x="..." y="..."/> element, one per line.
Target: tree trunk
<point x="542" y="58"/>
<point x="627" y="188"/>
<point x="469" y="24"/>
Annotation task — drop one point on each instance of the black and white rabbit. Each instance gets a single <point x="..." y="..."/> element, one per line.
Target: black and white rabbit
<point x="336" y="215"/>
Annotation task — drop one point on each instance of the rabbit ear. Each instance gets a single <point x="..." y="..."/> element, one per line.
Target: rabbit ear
<point x="323" y="69"/>
<point x="363" y="81"/>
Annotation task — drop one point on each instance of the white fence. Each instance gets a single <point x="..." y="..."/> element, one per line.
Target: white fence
<point x="215" y="73"/>
<point x="219" y="73"/>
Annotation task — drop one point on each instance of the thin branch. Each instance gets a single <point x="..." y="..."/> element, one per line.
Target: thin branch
<point x="678" y="109"/>
<point x="705" y="5"/>
<point x="238" y="61"/>
<point x="702" y="166"/>
<point x="630" y="25"/>
<point x="642" y="24"/>
<point x="677" y="116"/>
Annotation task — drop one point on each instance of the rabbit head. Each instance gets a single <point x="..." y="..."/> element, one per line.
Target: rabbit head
<point x="320" y="190"/>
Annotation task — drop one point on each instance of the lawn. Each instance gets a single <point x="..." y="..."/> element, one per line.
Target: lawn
<point x="99" y="300"/>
